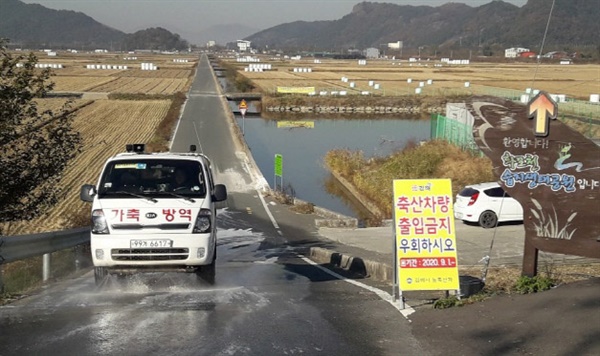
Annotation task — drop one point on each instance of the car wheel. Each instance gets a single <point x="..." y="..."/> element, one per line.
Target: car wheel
<point x="100" y="274"/>
<point x="488" y="219"/>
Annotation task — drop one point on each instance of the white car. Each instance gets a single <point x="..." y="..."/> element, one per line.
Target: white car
<point x="486" y="204"/>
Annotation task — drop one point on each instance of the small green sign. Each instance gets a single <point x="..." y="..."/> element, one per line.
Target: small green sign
<point x="278" y="165"/>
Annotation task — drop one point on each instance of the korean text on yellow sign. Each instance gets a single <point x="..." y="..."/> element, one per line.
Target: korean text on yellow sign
<point x="425" y="237"/>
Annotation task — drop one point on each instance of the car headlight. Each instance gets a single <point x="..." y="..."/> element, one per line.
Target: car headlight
<point x="203" y="222"/>
<point x="99" y="225"/>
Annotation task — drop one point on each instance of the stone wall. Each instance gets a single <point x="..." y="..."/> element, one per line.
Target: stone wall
<point x="411" y="104"/>
<point x="354" y="109"/>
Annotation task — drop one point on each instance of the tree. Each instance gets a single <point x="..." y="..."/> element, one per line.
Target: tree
<point x="35" y="147"/>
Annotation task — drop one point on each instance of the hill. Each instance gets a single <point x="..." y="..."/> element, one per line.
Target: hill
<point x="452" y="26"/>
<point x="155" y="39"/>
<point x="35" y="26"/>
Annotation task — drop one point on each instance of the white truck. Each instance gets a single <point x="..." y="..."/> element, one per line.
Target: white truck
<point x="154" y="212"/>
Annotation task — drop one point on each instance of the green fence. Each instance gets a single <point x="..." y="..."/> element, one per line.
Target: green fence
<point x="457" y="133"/>
<point x="461" y="135"/>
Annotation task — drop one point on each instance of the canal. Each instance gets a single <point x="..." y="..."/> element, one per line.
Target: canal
<point x="303" y="145"/>
<point x="303" y="148"/>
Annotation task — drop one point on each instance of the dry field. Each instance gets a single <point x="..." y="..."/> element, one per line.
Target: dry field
<point x="106" y="126"/>
<point x="55" y="104"/>
<point x="171" y="77"/>
<point x="133" y="85"/>
<point x="576" y="81"/>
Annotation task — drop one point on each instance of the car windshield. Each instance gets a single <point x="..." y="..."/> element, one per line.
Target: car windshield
<point x="153" y="178"/>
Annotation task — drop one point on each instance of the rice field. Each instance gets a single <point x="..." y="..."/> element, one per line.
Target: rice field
<point x="133" y="85"/>
<point x="105" y="127"/>
<point x="170" y="77"/>
<point x="576" y="81"/>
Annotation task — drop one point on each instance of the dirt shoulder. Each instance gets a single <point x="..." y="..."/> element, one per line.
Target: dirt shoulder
<point x="562" y="321"/>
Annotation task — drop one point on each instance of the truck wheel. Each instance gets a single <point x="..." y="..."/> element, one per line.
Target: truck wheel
<point x="207" y="273"/>
<point x="100" y="274"/>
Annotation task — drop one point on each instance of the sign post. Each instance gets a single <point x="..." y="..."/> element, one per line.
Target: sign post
<point x="278" y="164"/>
<point x="243" y="107"/>
<point x="425" y="241"/>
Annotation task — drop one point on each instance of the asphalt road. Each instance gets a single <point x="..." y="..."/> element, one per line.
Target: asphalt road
<point x="268" y="299"/>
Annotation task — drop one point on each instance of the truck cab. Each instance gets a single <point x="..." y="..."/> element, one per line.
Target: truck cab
<point x="154" y="212"/>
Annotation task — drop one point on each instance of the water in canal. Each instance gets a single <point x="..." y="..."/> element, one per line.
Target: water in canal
<point x="303" y="150"/>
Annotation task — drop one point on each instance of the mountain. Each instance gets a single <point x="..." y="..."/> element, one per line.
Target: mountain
<point x="453" y="26"/>
<point x="32" y="25"/>
<point x="35" y="26"/>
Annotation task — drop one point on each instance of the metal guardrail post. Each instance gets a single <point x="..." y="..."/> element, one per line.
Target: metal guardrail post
<point x="46" y="267"/>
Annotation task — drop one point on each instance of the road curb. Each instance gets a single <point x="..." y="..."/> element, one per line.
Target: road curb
<point x="353" y="264"/>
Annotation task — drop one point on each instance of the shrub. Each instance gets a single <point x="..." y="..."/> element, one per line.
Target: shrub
<point x="433" y="159"/>
<point x="448" y="302"/>
<point x="526" y="285"/>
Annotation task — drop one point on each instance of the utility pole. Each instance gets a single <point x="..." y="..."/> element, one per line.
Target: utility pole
<point x="480" y="32"/>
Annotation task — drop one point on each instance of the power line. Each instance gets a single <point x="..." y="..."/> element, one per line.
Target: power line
<point x="539" y="59"/>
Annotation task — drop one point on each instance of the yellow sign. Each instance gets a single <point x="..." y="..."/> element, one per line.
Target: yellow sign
<point x="425" y="236"/>
<point x="243" y="104"/>
<point x="287" y="124"/>
<point x="296" y="90"/>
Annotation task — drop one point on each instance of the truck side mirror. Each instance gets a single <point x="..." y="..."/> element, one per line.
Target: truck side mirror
<point x="220" y="193"/>
<point x="87" y="192"/>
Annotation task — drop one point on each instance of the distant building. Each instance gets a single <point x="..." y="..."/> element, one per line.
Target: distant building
<point x="528" y="54"/>
<point x="557" y="55"/>
<point x="395" y="45"/>
<point x="372" y="52"/>
<point x="210" y="44"/>
<point x="514" y="52"/>
<point x="243" y="46"/>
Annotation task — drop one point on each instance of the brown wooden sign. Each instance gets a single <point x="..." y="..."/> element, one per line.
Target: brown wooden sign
<point x="552" y="170"/>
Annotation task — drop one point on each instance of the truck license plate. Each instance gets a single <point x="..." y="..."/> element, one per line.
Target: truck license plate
<point x="151" y="243"/>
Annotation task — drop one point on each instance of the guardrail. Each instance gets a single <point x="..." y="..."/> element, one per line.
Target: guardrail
<point x="14" y="248"/>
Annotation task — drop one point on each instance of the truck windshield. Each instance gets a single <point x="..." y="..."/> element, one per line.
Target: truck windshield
<point x="153" y="178"/>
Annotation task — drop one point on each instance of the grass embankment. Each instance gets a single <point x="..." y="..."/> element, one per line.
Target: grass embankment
<point x="373" y="177"/>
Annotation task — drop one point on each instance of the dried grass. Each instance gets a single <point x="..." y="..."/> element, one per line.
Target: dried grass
<point x="502" y="279"/>
<point x="575" y="81"/>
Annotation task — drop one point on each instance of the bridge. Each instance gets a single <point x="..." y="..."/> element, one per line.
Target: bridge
<point x="245" y="96"/>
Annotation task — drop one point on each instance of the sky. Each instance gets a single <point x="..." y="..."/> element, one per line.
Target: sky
<point x="201" y="20"/>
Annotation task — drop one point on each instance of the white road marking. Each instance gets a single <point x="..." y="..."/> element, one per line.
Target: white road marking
<point x="408" y="310"/>
<point x="198" y="138"/>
